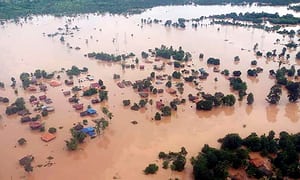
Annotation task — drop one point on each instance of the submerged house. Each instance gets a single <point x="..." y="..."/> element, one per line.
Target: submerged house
<point x="159" y="105"/>
<point x="95" y="85"/>
<point x="48" y="137"/>
<point x="54" y="83"/>
<point x="35" y="125"/>
<point x="89" y="111"/>
<point x="42" y="98"/>
<point x="48" y="108"/>
<point x="67" y="93"/>
<point x="171" y="91"/>
<point x="32" y="99"/>
<point x="95" y="101"/>
<point x="89" y="131"/>
<point x="78" y="106"/>
<point x="25" y="119"/>
<point x="31" y="88"/>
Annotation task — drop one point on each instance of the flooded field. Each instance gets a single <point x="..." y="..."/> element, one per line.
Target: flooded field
<point x="124" y="149"/>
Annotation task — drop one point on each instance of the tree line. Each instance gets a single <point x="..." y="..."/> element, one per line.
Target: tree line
<point x="14" y="9"/>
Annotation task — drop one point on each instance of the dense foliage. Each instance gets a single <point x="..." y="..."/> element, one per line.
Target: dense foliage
<point x="151" y="169"/>
<point x="15" y="107"/>
<point x="212" y="163"/>
<point x="168" y="52"/>
<point x="258" y="18"/>
<point x="105" y="56"/>
<point x="13" y="9"/>
<point x="177" y="159"/>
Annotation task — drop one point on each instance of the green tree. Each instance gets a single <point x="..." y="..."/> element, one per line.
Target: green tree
<point x="206" y="105"/>
<point x="151" y="169"/>
<point x="166" y="111"/>
<point x="231" y="141"/>
<point x="274" y="94"/>
<point x="179" y="163"/>
<point x="157" y="116"/>
<point x="72" y="144"/>
<point x="103" y="95"/>
<point x="169" y="84"/>
<point x="142" y="103"/>
<point x="250" y="98"/>
<point x="293" y="91"/>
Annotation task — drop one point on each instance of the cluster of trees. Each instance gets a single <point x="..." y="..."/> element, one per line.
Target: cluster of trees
<point x="100" y="124"/>
<point x="218" y="99"/>
<point x="237" y="84"/>
<point x="75" y="71"/>
<point x="176" y="160"/>
<point x="126" y="102"/>
<point x="291" y="45"/>
<point x="151" y="169"/>
<point x="258" y="18"/>
<point x="90" y="92"/>
<point x="176" y="75"/>
<point x="252" y="72"/>
<point x="144" y="54"/>
<point x="14" y="9"/>
<point x="285" y="19"/>
<point x="213" y="61"/>
<point x="295" y="8"/>
<point x="25" y="78"/>
<point x="144" y="84"/>
<point x="136" y="106"/>
<point x="212" y="163"/>
<point x="77" y="137"/>
<point x="15" y="107"/>
<point x="103" y="95"/>
<point x="274" y="95"/>
<point x="293" y="88"/>
<point x="105" y="56"/>
<point x="290" y="33"/>
<point x="168" y="52"/>
<point x="180" y="23"/>
<point x="42" y="74"/>
<point x="242" y="24"/>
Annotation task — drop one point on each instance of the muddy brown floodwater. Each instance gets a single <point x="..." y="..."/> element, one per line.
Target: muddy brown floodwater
<point x="124" y="149"/>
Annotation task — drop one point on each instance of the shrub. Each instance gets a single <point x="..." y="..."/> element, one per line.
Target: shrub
<point x="21" y="141"/>
<point x="72" y="144"/>
<point x="52" y="130"/>
<point x="157" y="116"/>
<point x="44" y="113"/>
<point x="231" y="141"/>
<point x="151" y="169"/>
<point x="206" y="105"/>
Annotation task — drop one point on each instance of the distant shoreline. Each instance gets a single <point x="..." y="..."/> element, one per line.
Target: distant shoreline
<point x="12" y="10"/>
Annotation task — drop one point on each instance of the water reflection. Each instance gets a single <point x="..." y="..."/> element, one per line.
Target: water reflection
<point x="292" y="112"/>
<point x="249" y="109"/>
<point x="216" y="112"/>
<point x="272" y="112"/>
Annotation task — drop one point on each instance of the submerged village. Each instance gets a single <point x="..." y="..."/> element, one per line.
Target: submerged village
<point x="152" y="95"/>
